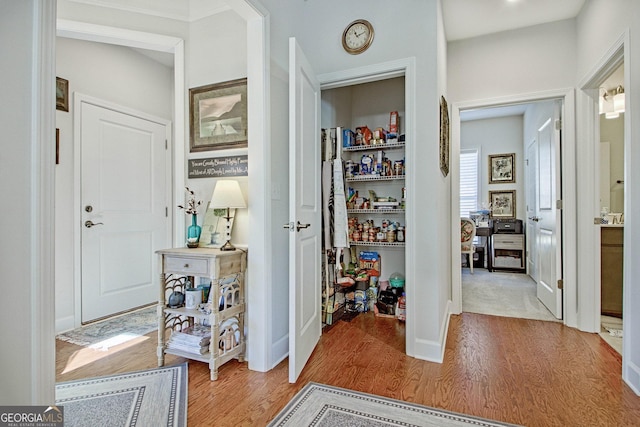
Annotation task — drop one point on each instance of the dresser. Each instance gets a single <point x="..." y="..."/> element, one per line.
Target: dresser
<point x="508" y="252"/>
<point x="223" y="311"/>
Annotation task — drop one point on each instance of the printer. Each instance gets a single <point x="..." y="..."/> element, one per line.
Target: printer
<point x="507" y="226"/>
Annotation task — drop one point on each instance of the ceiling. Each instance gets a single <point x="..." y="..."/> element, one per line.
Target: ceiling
<point x="462" y="18"/>
<point x="471" y="18"/>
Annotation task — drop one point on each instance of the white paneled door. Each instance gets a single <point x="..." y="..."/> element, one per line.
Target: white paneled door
<point x="125" y="182"/>
<point x="532" y="209"/>
<point x="305" y="316"/>
<point x="547" y="231"/>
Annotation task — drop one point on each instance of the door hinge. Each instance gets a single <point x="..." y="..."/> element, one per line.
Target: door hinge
<point x="166" y="211"/>
<point x="560" y="284"/>
<point x="559" y="204"/>
<point x="558" y="124"/>
<point x="526" y="162"/>
<point x="166" y="144"/>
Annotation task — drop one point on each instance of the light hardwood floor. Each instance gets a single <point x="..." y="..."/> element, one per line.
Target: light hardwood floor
<point x="527" y="372"/>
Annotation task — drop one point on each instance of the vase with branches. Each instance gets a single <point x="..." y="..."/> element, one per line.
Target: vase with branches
<point x="191" y="208"/>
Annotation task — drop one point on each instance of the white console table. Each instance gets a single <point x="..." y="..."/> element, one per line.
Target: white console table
<point x="226" y="270"/>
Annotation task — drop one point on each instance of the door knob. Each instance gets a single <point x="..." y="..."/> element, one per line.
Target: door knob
<point x="298" y="226"/>
<point x="90" y="223"/>
<point x="534" y="218"/>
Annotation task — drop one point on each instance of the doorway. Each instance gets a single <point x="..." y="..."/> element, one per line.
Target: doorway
<point x="510" y="280"/>
<point x="69" y="305"/>
<point x="612" y="196"/>
<point x="370" y="74"/>
<point x="566" y="164"/>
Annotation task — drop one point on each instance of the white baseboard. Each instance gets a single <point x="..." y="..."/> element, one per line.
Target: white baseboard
<point x="433" y="351"/>
<point x="65" y="324"/>
<point x="280" y="350"/>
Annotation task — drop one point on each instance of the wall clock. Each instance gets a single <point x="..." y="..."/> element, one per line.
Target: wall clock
<point x="357" y="37"/>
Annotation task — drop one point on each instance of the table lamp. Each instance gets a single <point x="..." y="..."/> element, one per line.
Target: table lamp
<point x="226" y="195"/>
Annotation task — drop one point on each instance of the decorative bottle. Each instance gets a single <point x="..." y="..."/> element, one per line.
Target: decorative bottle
<point x="193" y="232"/>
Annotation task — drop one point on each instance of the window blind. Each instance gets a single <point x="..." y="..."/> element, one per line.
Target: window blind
<point x="468" y="181"/>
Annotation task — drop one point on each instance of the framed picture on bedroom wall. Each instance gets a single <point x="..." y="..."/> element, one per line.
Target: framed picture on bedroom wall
<point x="503" y="203"/>
<point x="218" y="116"/>
<point x="502" y="168"/>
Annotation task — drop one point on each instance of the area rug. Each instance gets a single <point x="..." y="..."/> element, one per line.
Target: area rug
<point x="155" y="397"/>
<point x="116" y="330"/>
<point x="324" y="406"/>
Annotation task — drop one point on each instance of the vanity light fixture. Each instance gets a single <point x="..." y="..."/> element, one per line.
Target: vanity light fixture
<point x="607" y="104"/>
<point x="619" y="99"/>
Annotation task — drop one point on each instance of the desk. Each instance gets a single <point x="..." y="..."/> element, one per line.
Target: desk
<point x="486" y="233"/>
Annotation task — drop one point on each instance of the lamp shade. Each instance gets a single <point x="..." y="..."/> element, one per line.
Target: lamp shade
<point x="227" y="194"/>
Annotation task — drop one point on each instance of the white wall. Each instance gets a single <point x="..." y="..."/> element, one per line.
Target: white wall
<point x="600" y="24"/>
<point x="27" y="359"/>
<point x="497" y="136"/>
<point x="116" y="74"/>
<point x="216" y="52"/>
<point x="513" y="62"/>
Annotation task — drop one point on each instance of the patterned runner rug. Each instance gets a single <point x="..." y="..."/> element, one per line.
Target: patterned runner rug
<point x="110" y="332"/>
<point x="155" y="397"/>
<point x="325" y="406"/>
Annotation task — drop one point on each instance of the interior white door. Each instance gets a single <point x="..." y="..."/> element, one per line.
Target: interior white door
<point x="305" y="316"/>
<point x="549" y="218"/>
<point x="531" y="164"/>
<point x="125" y="184"/>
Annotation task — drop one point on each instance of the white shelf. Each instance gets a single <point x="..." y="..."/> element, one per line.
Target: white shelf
<point x="369" y="178"/>
<point x="383" y="244"/>
<point x="374" y="147"/>
<point x="376" y="211"/>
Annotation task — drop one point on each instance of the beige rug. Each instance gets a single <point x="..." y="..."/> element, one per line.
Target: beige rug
<point x="326" y="406"/>
<point x="154" y="397"/>
<point x="110" y="332"/>
<point x="502" y="294"/>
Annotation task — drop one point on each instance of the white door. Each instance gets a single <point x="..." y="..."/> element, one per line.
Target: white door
<point x="531" y="164"/>
<point x="125" y="184"/>
<point x="548" y="214"/>
<point x="305" y="317"/>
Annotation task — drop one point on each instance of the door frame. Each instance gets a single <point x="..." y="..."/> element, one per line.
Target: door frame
<point x="78" y="99"/>
<point x="569" y="211"/>
<point x="119" y="36"/>
<point x="399" y="68"/>
<point x="587" y="101"/>
<point x="261" y="354"/>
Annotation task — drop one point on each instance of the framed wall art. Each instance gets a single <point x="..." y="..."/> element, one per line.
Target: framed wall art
<point x="62" y="94"/>
<point x="444" y="136"/>
<point x="218" y="116"/>
<point x="503" y="203"/>
<point x="502" y="168"/>
<point x="214" y="227"/>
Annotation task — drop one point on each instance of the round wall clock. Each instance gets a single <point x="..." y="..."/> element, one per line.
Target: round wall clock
<point x="357" y="37"/>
